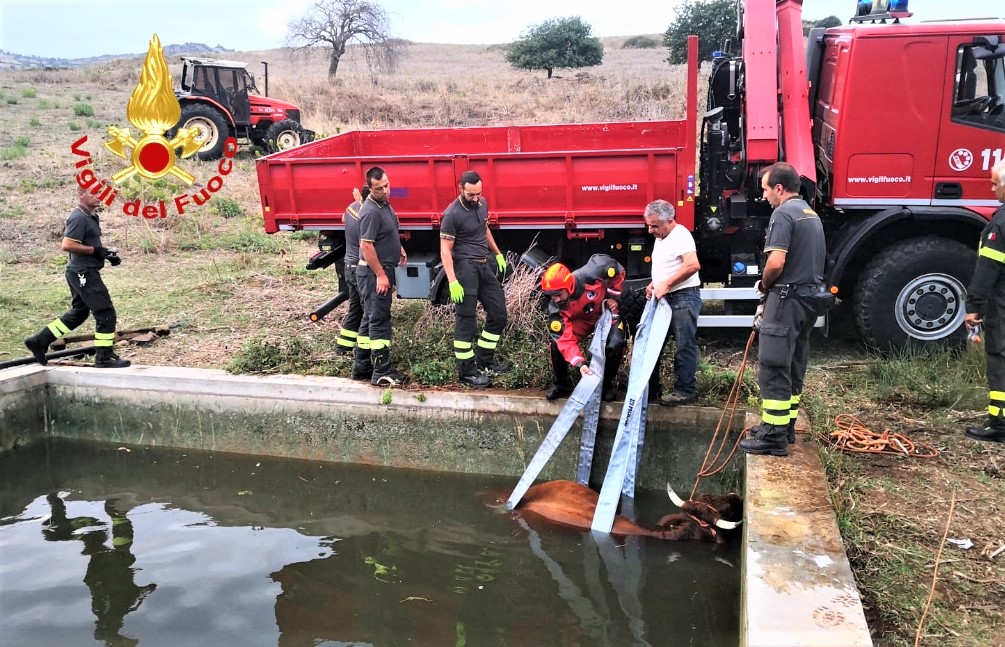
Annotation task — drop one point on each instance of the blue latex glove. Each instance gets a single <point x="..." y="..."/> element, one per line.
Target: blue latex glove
<point x="456" y="291"/>
<point x="501" y="262"/>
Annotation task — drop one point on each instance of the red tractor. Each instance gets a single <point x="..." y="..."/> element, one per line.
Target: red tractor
<point x="219" y="99"/>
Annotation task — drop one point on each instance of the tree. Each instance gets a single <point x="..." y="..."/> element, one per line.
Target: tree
<point x="828" y="22"/>
<point x="713" y="20"/>
<point x="556" y="43"/>
<point x="335" y="24"/>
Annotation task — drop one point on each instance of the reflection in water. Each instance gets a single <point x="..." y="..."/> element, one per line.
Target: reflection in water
<point x="257" y="551"/>
<point x="109" y="573"/>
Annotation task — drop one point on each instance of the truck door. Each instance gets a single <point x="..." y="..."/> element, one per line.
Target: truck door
<point x="972" y="132"/>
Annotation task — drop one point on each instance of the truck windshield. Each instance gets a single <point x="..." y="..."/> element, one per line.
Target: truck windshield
<point x="979" y="93"/>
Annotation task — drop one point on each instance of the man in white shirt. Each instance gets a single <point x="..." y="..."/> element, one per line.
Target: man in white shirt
<point x="675" y="277"/>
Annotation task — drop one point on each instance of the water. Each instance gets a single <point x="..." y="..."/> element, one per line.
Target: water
<point x="152" y="546"/>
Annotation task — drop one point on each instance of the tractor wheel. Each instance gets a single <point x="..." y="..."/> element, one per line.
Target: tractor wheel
<point x="211" y="126"/>
<point x="913" y="294"/>
<point x="283" y="135"/>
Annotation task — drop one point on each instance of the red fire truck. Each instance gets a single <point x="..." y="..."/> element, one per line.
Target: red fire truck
<point x="893" y="127"/>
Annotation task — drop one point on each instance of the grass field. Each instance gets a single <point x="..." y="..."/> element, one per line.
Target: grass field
<point x="240" y="299"/>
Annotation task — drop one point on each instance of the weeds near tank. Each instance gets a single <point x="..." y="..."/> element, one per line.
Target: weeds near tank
<point x="386" y="396"/>
<point x="716" y="383"/>
<point x="931" y="379"/>
<point x="268" y="354"/>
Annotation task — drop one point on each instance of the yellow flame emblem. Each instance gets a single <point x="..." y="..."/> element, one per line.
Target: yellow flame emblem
<point x="153" y="109"/>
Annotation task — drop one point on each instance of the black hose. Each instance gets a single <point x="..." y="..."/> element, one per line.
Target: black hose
<point x="73" y="352"/>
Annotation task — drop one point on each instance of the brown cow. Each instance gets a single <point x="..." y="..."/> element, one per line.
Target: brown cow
<point x="572" y="504"/>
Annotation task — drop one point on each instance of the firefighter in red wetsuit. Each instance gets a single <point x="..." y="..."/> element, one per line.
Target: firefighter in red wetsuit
<point x="577" y="300"/>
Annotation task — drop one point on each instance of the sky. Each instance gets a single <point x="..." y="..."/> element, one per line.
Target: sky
<point x="83" y="28"/>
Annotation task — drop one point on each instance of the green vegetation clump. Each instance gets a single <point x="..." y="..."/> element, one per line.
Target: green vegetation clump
<point x="226" y="207"/>
<point x="29" y="93"/>
<point x="74" y="126"/>
<point x="34" y="122"/>
<point x="83" y="110"/>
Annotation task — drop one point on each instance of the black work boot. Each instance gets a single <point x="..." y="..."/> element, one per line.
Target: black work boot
<point x="383" y="373"/>
<point x="993" y="431"/>
<point x="468" y="375"/>
<point x="767" y="439"/>
<point x="676" y="399"/>
<point x="791" y="432"/>
<point x="106" y="358"/>
<point x="485" y="360"/>
<point x="39" y="345"/>
<point x="362" y="367"/>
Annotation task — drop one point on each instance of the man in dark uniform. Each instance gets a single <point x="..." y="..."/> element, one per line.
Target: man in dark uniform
<point x="465" y="244"/>
<point x="82" y="239"/>
<point x="380" y="251"/>
<point x="577" y="299"/>
<point x="353" y="334"/>
<point x="986" y="304"/>
<point x="793" y="273"/>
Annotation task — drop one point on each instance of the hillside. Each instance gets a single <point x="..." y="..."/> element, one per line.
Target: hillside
<point x="14" y="61"/>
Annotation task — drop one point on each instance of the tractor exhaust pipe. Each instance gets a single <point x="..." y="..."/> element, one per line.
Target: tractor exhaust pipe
<point x="265" y="64"/>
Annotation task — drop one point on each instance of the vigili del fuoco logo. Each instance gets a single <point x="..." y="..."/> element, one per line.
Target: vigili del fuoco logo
<point x="152" y="109"/>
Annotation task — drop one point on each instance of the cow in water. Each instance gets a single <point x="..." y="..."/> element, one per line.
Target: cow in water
<point x="701" y="519"/>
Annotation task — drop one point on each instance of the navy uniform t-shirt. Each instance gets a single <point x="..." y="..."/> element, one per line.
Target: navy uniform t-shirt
<point x="378" y="224"/>
<point x="796" y="229"/>
<point x="83" y="228"/>
<point x="351" y="220"/>
<point x="465" y="226"/>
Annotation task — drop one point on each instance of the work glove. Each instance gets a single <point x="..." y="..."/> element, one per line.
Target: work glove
<point x="758" y="317"/>
<point x="501" y="262"/>
<point x="612" y="305"/>
<point x="456" y="291"/>
<point x="102" y="252"/>
<point x="113" y="257"/>
<point x="762" y="293"/>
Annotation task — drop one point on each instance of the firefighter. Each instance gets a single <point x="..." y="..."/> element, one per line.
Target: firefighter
<point x="986" y="305"/>
<point x="82" y="239"/>
<point x="576" y="302"/>
<point x="353" y="335"/>
<point x="380" y="251"/>
<point x="465" y="246"/>
<point x="793" y="273"/>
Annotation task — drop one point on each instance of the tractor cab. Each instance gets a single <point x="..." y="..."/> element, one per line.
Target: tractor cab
<point x="226" y="82"/>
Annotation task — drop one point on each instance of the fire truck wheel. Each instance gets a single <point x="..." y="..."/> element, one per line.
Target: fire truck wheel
<point x="913" y="292"/>
<point x="283" y="135"/>
<point x="211" y="126"/>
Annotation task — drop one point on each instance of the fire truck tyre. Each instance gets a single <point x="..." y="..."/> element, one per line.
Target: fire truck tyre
<point x="912" y="294"/>
<point x="211" y="126"/>
<point x="283" y="135"/>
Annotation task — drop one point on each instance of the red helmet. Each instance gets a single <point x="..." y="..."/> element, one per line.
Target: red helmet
<point x="557" y="277"/>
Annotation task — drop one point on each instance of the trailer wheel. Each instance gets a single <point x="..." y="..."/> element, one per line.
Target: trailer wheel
<point x="633" y="302"/>
<point x="211" y="128"/>
<point x="913" y="294"/>
<point x="283" y="135"/>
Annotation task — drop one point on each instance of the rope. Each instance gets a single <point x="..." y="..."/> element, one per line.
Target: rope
<point x="935" y="571"/>
<point x="709" y="466"/>
<point x="853" y="437"/>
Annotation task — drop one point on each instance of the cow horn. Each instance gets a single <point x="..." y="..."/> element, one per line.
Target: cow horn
<point x="677" y="501"/>
<point x="727" y="525"/>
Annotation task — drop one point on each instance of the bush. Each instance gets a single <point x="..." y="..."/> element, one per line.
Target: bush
<point x="226" y="207"/>
<point x="640" y="42"/>
<point x="34" y="122"/>
<point x="29" y="93"/>
<point x="12" y="100"/>
<point x="74" y="126"/>
<point x="83" y="110"/>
